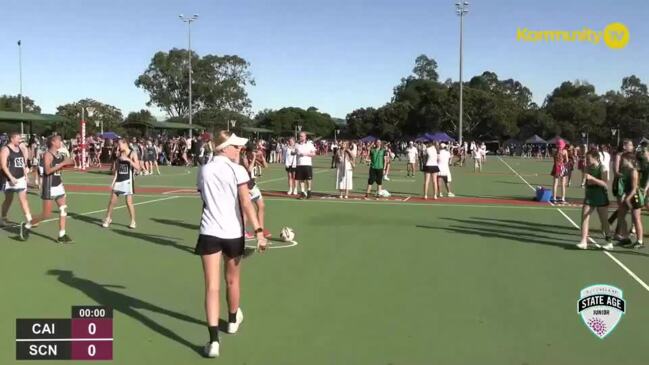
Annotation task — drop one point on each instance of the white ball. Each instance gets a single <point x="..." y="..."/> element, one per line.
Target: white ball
<point x="287" y="234"/>
<point x="384" y="193"/>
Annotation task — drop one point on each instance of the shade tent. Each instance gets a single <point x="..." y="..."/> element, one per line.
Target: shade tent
<point x="535" y="139"/>
<point x="643" y="140"/>
<point x="512" y="141"/>
<point x="422" y="139"/>
<point x="6" y="116"/>
<point x="439" y="137"/>
<point x="257" y="130"/>
<point x="108" y="135"/>
<point x="368" y="139"/>
<point x="556" y="140"/>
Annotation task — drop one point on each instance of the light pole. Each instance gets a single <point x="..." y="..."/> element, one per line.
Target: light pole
<point x="189" y="20"/>
<point x="616" y="132"/>
<point x="231" y="122"/>
<point x="20" y="73"/>
<point x="298" y="129"/>
<point x="461" y="9"/>
<point x="336" y="136"/>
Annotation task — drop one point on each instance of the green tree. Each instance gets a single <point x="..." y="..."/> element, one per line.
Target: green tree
<point x="11" y="103"/>
<point x="110" y="115"/>
<point x="284" y="121"/>
<point x="219" y="82"/>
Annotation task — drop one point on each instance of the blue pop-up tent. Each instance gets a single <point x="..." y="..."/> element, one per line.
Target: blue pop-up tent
<point x="440" y="137"/>
<point x="109" y="135"/>
<point x="368" y="139"/>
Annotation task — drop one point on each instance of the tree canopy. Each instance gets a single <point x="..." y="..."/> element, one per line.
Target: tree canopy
<point x="218" y="82"/>
<point x="497" y="108"/>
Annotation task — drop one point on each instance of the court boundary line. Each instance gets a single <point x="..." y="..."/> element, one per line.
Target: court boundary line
<point x="71" y="214"/>
<point x="610" y="255"/>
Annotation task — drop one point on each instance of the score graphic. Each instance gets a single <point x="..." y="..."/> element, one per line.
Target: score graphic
<point x="87" y="336"/>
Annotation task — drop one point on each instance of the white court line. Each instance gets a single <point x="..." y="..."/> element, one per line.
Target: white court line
<point x="406" y="199"/>
<point x="179" y="191"/>
<point x="70" y="215"/>
<point x="618" y="262"/>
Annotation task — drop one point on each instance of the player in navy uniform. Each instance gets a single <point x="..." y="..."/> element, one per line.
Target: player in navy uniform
<point x="13" y="178"/>
<point x="52" y="188"/>
<point x="126" y="165"/>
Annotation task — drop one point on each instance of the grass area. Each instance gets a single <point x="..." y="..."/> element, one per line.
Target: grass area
<point x="386" y="282"/>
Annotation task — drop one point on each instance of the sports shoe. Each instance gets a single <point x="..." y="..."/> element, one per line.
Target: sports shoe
<point x="608" y="246"/>
<point x="386" y="178"/>
<point x="308" y="194"/>
<point x="267" y="233"/>
<point x="24" y="232"/>
<point x="451" y="195"/>
<point x="626" y="243"/>
<point x="249" y="235"/>
<point x="637" y="245"/>
<point x="233" y="327"/>
<point x="132" y="225"/>
<point x="211" y="349"/>
<point x="64" y="239"/>
<point x="583" y="245"/>
<point x="106" y="222"/>
<point x="289" y="192"/>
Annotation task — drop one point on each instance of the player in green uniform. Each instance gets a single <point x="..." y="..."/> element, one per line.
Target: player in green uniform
<point x="634" y="200"/>
<point x="596" y="199"/>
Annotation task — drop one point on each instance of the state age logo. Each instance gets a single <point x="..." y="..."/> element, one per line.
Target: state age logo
<point x="601" y="307"/>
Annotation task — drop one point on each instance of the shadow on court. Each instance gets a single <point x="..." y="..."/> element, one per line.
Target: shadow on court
<point x="177" y="223"/>
<point x="127" y="305"/>
<point x="157" y="239"/>
<point x="92" y="220"/>
<point x="509" y="230"/>
<point x="15" y="230"/>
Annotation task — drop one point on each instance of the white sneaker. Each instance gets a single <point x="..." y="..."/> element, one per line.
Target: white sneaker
<point x="386" y="178"/>
<point x="582" y="245"/>
<point x="451" y="195"/>
<point x="289" y="192"/>
<point x="106" y="223"/>
<point x="211" y="349"/>
<point x="234" y="327"/>
<point x="132" y="225"/>
<point x="608" y="246"/>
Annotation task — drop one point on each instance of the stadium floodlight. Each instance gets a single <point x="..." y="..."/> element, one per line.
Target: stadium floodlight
<point x="189" y="20"/>
<point x="461" y="9"/>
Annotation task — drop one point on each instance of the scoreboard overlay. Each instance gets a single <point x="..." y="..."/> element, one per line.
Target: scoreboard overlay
<point x="87" y="335"/>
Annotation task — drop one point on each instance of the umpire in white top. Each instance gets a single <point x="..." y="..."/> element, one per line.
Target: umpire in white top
<point x="223" y="186"/>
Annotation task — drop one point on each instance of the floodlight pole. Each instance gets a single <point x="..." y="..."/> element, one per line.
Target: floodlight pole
<point x="189" y="21"/>
<point x="462" y="8"/>
<point x="20" y="73"/>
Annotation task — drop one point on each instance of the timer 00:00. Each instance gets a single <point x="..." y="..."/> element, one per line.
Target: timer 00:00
<point x="92" y="313"/>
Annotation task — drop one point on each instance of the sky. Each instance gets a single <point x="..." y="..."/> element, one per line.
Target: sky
<point x="336" y="55"/>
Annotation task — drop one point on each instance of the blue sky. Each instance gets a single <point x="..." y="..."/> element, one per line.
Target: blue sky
<point x="337" y="55"/>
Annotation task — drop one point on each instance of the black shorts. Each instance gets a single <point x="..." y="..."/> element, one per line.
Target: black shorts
<point x="376" y="176"/>
<point x="207" y="245"/>
<point x="303" y="173"/>
<point x="431" y="169"/>
<point x="290" y="169"/>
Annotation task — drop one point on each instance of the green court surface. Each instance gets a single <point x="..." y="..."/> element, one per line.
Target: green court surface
<point x="457" y="281"/>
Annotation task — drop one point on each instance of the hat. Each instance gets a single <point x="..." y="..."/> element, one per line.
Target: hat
<point x="233" y="140"/>
<point x="442" y="145"/>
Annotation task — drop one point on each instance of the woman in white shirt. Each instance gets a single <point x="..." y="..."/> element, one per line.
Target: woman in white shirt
<point x="290" y="162"/>
<point x="223" y="186"/>
<point x="344" y="170"/>
<point x="431" y="169"/>
<point x="444" y="161"/>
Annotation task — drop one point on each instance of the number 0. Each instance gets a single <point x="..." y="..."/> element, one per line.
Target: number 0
<point x="92" y="328"/>
<point x="92" y="350"/>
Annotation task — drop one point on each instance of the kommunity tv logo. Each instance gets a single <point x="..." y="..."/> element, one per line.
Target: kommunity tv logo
<point x="614" y="35"/>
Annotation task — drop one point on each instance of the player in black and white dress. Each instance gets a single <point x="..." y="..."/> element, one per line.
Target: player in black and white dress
<point x="13" y="179"/>
<point x="125" y="167"/>
<point x="52" y="188"/>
